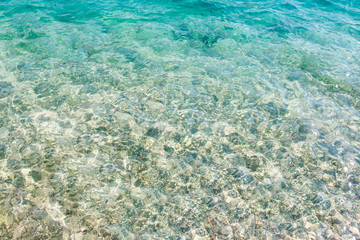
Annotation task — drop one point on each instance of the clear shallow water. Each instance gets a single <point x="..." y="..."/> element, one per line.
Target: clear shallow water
<point x="179" y="119"/>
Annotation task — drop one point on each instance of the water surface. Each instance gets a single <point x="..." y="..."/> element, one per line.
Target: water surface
<point x="182" y="119"/>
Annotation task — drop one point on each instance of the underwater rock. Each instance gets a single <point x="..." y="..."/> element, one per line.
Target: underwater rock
<point x="326" y="177"/>
<point x="43" y="89"/>
<point x="5" y="233"/>
<point x="36" y="175"/>
<point x="253" y="162"/>
<point x="168" y="149"/>
<point x="304" y="129"/>
<point x="153" y="132"/>
<point x="130" y="55"/>
<point x="38" y="214"/>
<point x="236" y="173"/>
<point x="357" y="159"/>
<point x="5" y="89"/>
<point x="236" y="138"/>
<point x="18" y="180"/>
<point x="274" y="110"/>
<point x="226" y="149"/>
<point x="2" y="151"/>
<point x="139" y="152"/>
<point x="88" y="89"/>
<point x="13" y="164"/>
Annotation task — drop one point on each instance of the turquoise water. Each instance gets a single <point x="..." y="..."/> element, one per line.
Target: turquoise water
<point x="182" y="119"/>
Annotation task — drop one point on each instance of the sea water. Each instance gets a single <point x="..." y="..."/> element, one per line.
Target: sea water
<point x="180" y="119"/>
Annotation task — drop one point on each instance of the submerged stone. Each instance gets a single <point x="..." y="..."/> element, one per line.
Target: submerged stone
<point x="357" y="159"/>
<point x="304" y="129"/>
<point x="253" y="131"/>
<point x="129" y="54"/>
<point x="274" y="110"/>
<point x="43" y="89"/>
<point x="226" y="149"/>
<point x="36" y="175"/>
<point x="88" y="89"/>
<point x="5" y="89"/>
<point x="18" y="180"/>
<point x="236" y="138"/>
<point x="236" y="173"/>
<point x="153" y="132"/>
<point x="38" y="214"/>
<point x="196" y="82"/>
<point x="215" y="98"/>
<point x="139" y="152"/>
<point x="2" y="151"/>
<point x="253" y="162"/>
<point x="168" y="149"/>
<point x="13" y="164"/>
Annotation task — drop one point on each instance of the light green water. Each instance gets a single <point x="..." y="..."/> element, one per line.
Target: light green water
<point x="179" y="119"/>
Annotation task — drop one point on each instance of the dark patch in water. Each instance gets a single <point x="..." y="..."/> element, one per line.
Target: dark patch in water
<point x="2" y="151"/>
<point x="5" y="89"/>
<point x="168" y="149"/>
<point x="130" y="55"/>
<point x="153" y="132"/>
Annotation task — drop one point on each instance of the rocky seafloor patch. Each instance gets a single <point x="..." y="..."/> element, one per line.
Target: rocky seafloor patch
<point x="178" y="161"/>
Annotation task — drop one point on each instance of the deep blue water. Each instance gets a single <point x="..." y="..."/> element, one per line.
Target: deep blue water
<point x="191" y="119"/>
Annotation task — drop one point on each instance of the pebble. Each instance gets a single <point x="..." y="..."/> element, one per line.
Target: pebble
<point x="326" y="177"/>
